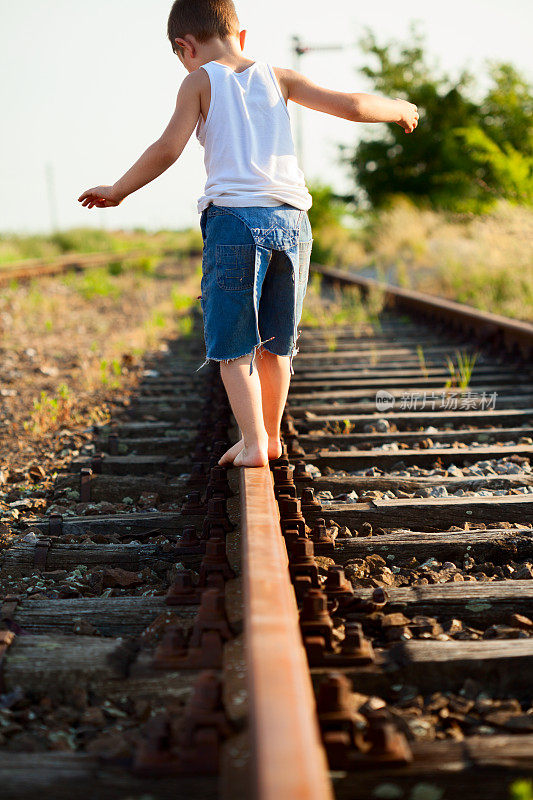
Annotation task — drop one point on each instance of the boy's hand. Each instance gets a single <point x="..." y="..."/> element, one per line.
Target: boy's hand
<point x="101" y="197"/>
<point x="408" y="115"/>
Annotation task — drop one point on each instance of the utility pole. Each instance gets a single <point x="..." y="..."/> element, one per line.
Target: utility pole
<point x="298" y="50"/>
<point x="51" y="191"/>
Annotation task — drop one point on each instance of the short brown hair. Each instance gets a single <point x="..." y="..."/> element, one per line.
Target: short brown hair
<point x="203" y="19"/>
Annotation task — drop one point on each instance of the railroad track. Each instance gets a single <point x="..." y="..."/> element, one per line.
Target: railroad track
<point x="28" y="269"/>
<point x="159" y="648"/>
<point x="414" y="579"/>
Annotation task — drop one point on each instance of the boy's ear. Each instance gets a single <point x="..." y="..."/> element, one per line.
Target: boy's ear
<point x="242" y="37"/>
<point x="187" y="45"/>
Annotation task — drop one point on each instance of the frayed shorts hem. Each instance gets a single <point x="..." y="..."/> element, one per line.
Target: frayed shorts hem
<point x="258" y="347"/>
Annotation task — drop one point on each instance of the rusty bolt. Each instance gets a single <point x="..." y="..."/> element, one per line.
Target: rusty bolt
<point x="355" y="645"/>
<point x="215" y="563"/>
<point x="290" y="536"/>
<point x="387" y="743"/>
<point x="218" y="482"/>
<point x="300" y="472"/>
<point x="216" y="517"/>
<point x="302" y="552"/>
<point x="380" y="598"/>
<point x="182" y="591"/>
<point x="337" y="585"/>
<point x="334" y="707"/>
<point x="205" y="709"/>
<point x="319" y="532"/>
<point x="309" y="499"/>
<point x="290" y="508"/>
<point x="193" y="504"/>
<point x="211" y="616"/>
<point x="171" y="649"/>
<point x="314" y="617"/>
<point x="188" y="538"/>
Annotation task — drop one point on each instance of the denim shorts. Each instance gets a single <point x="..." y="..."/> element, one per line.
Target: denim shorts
<point x="255" y="268"/>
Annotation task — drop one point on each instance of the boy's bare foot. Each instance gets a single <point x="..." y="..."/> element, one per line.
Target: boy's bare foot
<point x="230" y="454"/>
<point x="274" y="451"/>
<point x="274" y="447"/>
<point x="253" y="456"/>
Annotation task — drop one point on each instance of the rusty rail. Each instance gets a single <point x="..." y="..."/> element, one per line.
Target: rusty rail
<point x="37" y="267"/>
<point x="491" y="329"/>
<point x="289" y="761"/>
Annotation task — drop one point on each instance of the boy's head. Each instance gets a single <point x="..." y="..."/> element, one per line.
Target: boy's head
<point x="194" y="22"/>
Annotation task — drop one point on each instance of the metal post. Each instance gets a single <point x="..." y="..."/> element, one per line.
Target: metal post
<point x="52" y="203"/>
<point x="298" y="49"/>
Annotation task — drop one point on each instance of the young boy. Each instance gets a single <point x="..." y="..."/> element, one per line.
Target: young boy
<point x="254" y="222"/>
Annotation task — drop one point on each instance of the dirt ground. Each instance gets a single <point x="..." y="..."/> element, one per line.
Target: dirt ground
<point x="70" y="347"/>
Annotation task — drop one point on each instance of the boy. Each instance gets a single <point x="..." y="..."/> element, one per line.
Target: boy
<point x="255" y="227"/>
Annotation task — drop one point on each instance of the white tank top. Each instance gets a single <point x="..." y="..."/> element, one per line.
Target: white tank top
<point x="249" y="151"/>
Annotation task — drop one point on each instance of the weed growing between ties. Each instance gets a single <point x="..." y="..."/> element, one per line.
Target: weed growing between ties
<point x="422" y="360"/>
<point x="521" y="789"/>
<point x="461" y="371"/>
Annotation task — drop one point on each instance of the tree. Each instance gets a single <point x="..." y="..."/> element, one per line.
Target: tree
<point x="464" y="154"/>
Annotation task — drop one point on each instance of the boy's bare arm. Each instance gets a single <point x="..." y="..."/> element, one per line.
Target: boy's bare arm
<point x="160" y="155"/>
<point x="355" y="106"/>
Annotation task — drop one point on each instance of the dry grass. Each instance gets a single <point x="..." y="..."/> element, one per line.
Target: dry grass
<point x="66" y="343"/>
<point x="328" y="307"/>
<point x="485" y="261"/>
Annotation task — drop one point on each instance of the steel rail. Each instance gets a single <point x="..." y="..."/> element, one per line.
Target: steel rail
<point x="502" y="332"/>
<point x="288" y="757"/>
<point x="36" y="267"/>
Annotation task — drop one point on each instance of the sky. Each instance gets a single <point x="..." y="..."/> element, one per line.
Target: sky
<point x="86" y="87"/>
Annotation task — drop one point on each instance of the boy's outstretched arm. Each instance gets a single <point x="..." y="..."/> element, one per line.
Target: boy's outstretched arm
<point x="355" y="106"/>
<point x="160" y="155"/>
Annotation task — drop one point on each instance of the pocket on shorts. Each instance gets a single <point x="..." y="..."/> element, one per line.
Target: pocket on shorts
<point x="304" y="258"/>
<point x="235" y="266"/>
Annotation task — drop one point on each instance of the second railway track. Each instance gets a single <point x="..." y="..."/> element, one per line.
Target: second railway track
<point x="152" y="643"/>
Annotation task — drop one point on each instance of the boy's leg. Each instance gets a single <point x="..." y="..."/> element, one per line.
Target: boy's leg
<point x="244" y="393"/>
<point x="275" y="376"/>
